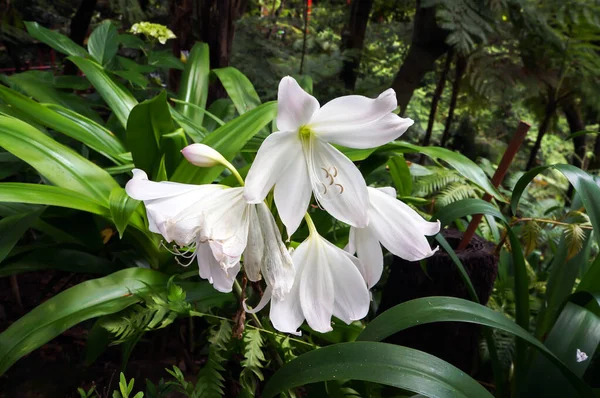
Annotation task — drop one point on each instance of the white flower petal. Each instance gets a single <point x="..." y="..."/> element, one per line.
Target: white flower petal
<point x="399" y="228"/>
<point x="286" y="315"/>
<point x="294" y="105"/>
<point x="277" y="266"/>
<point x="368" y="251"/>
<point x="253" y="255"/>
<point x="211" y="270"/>
<point x="264" y="300"/>
<point x="272" y="160"/>
<point x="292" y="194"/>
<point x="316" y="290"/>
<point x="360" y="122"/>
<point x="352" y="296"/>
<point x="140" y="188"/>
<point x="202" y="155"/>
<point x="337" y="184"/>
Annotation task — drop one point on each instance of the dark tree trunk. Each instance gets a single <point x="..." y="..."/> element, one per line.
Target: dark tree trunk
<point x="80" y="23"/>
<point x="353" y="40"/>
<point x="428" y="44"/>
<point x="437" y="95"/>
<point x="576" y="124"/>
<point x="459" y="71"/>
<point x="453" y="342"/>
<point x="549" y="112"/>
<point x="181" y="23"/>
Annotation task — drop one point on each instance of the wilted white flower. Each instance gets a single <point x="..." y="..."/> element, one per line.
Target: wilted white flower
<point x="399" y="228"/>
<point x="299" y="160"/>
<point x="581" y="356"/>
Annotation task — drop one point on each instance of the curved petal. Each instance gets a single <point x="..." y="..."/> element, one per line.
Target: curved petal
<point x="272" y="160"/>
<point x="286" y="315"/>
<point x="368" y="251"/>
<point x="253" y="255"/>
<point x="211" y="270"/>
<point x="141" y="188"/>
<point x="316" y="290"/>
<point x="292" y="194"/>
<point x="337" y="184"/>
<point x="352" y="296"/>
<point x="360" y="122"/>
<point x="294" y="105"/>
<point x="264" y="300"/>
<point x="399" y="228"/>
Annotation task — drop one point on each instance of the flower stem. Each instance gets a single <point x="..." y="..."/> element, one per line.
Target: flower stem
<point x="311" y="225"/>
<point x="234" y="171"/>
<point x="238" y="292"/>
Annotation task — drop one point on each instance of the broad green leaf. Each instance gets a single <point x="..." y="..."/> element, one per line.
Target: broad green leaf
<point x="100" y="138"/>
<point x="222" y="109"/>
<point x="131" y="41"/>
<point x="400" y="175"/>
<point x="584" y="184"/>
<point x="171" y="145"/>
<point x="17" y="192"/>
<point x="57" y="41"/>
<point x="194" y="83"/>
<point x="67" y="122"/>
<point x="121" y="208"/>
<point x="117" y="97"/>
<point x="103" y="43"/>
<point x="591" y="279"/>
<point x="382" y="363"/>
<point x="147" y="124"/>
<point x="465" y="207"/>
<point x="164" y="59"/>
<point x="228" y="140"/>
<point x="465" y="166"/>
<point x="195" y="131"/>
<point x="87" y="300"/>
<point x="450" y="309"/>
<point x="59" y="164"/>
<point x="39" y="85"/>
<point x="132" y="77"/>
<point x="576" y="328"/>
<point x="58" y="259"/>
<point x="239" y="89"/>
<point x="12" y="229"/>
<point x="71" y="82"/>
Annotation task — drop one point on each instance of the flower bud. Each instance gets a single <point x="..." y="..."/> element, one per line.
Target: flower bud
<point x="203" y="156"/>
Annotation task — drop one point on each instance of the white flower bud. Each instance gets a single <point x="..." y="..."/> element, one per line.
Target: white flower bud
<point x="203" y="156"/>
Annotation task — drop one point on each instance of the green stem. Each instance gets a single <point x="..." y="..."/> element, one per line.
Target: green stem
<point x="238" y="292"/>
<point x="311" y="225"/>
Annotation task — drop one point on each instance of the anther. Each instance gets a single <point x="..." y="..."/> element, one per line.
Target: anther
<point x="340" y="187"/>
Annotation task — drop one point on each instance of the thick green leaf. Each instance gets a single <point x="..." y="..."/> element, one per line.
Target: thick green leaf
<point x="194" y="83"/>
<point x="171" y="145"/>
<point x="59" y="164"/>
<point x="584" y="184"/>
<point x="382" y="363"/>
<point x="164" y="59"/>
<point x="71" y="82"/>
<point x="133" y="77"/>
<point x="16" y="192"/>
<point x="67" y="122"/>
<point x="576" y="329"/>
<point x="195" y="131"/>
<point x="147" y="124"/>
<point x="239" y="89"/>
<point x="87" y="300"/>
<point x="400" y="175"/>
<point x="60" y="43"/>
<point x="39" y="85"/>
<point x="229" y="140"/>
<point x="121" y="208"/>
<point x="117" y="97"/>
<point x="58" y="259"/>
<point x="465" y="166"/>
<point x="465" y="207"/>
<point x="12" y="229"/>
<point x="103" y="43"/>
<point x="131" y="41"/>
<point x="591" y="280"/>
<point x="450" y="309"/>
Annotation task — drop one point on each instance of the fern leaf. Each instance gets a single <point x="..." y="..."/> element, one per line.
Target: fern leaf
<point x="253" y="362"/>
<point x="531" y="236"/>
<point x="210" y="378"/>
<point x="575" y="236"/>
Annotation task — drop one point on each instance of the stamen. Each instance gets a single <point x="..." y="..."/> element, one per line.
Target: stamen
<point x="341" y="187"/>
<point x="335" y="171"/>
<point x="324" y="188"/>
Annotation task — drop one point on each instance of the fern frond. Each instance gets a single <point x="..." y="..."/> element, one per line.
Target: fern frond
<point x="531" y="236"/>
<point x="439" y="179"/>
<point x="455" y="192"/>
<point x="574" y="236"/>
<point x="254" y="358"/>
<point x="210" y="378"/>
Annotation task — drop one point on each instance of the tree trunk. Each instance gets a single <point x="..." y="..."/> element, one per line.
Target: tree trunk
<point x="459" y="69"/>
<point x="576" y="124"/>
<point x="353" y="40"/>
<point x="437" y="95"/>
<point x="428" y="44"/>
<point x="550" y="109"/>
<point x="80" y="23"/>
<point x="181" y="13"/>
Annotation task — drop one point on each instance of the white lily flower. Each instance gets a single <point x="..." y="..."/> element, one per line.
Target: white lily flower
<point x="298" y="159"/>
<point x="217" y="222"/>
<point x="328" y="283"/>
<point x="202" y="155"/>
<point x="399" y="228"/>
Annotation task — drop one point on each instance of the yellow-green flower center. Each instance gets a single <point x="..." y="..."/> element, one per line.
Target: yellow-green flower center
<point x="305" y="132"/>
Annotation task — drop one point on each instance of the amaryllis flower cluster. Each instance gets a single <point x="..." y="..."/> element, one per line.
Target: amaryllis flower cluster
<point x="222" y="227"/>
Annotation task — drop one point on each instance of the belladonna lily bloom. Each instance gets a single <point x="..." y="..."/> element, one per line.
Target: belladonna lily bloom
<point x="216" y="223"/>
<point x="328" y="283"/>
<point x="399" y="228"/>
<point x="298" y="159"/>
